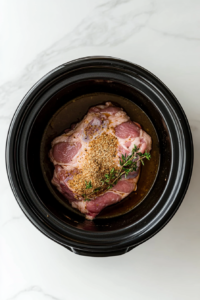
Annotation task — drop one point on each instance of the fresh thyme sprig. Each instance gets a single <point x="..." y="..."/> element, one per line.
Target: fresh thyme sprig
<point x="128" y="164"/>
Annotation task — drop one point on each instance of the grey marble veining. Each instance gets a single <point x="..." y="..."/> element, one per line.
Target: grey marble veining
<point x="104" y="26"/>
<point x="33" y="292"/>
<point x="162" y="36"/>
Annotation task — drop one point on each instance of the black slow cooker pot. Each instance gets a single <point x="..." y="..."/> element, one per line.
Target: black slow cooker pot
<point x="107" y="236"/>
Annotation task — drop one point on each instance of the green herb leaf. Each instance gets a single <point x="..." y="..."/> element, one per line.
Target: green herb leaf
<point x="123" y="158"/>
<point x="97" y="189"/>
<point x="128" y="164"/>
<point x="86" y="199"/>
<point x="88" y="185"/>
<point x="147" y="155"/>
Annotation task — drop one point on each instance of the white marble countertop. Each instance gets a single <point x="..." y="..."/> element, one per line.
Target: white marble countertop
<point x="163" y="37"/>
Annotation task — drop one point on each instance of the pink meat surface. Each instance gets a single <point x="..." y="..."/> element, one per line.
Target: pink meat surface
<point x="71" y="153"/>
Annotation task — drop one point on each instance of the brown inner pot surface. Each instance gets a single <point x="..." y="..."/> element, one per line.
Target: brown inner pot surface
<point x="72" y="112"/>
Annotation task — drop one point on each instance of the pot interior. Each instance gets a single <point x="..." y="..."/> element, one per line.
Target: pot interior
<point x="69" y="105"/>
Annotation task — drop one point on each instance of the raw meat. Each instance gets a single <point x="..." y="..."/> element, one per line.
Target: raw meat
<point x="89" y="150"/>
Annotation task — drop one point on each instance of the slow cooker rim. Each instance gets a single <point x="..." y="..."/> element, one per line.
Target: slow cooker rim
<point x="60" y="67"/>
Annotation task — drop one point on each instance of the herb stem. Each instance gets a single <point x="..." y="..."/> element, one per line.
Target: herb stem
<point x="127" y="165"/>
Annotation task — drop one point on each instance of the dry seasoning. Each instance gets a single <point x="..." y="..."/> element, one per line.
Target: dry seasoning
<point x="99" y="160"/>
<point x="128" y="163"/>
